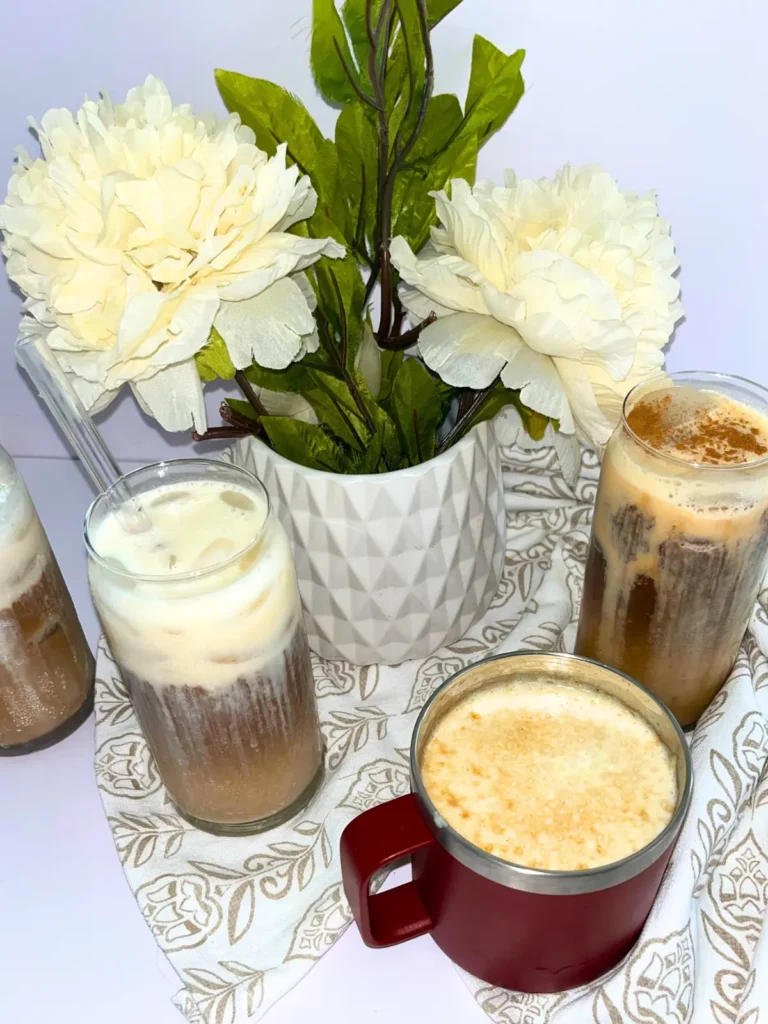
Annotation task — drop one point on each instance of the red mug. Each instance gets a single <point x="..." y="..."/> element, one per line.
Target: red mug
<point x="516" y="927"/>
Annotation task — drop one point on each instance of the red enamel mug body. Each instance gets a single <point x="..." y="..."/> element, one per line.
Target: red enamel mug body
<point x="517" y="927"/>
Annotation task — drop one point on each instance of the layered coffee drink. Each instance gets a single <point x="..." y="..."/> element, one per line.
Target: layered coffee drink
<point x="679" y="538"/>
<point x="550" y="775"/>
<point x="201" y="609"/>
<point x="46" y="667"/>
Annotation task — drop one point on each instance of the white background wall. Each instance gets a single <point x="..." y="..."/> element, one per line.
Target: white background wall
<point x="668" y="94"/>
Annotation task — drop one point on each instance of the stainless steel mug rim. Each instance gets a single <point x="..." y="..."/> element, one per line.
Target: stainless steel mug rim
<point x="536" y="880"/>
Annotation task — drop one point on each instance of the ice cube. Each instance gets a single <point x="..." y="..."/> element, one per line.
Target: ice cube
<point x="217" y="551"/>
<point x="237" y="500"/>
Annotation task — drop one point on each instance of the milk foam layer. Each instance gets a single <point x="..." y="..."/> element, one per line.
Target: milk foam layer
<point x="550" y="776"/>
<point x="216" y="626"/>
<point x="691" y="493"/>
<point x="23" y="546"/>
<point x="700" y="426"/>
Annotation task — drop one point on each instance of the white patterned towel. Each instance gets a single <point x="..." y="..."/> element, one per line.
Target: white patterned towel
<point x="703" y="955"/>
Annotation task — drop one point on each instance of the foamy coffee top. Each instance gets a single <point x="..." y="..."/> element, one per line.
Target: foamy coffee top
<point x="700" y="426"/>
<point x="23" y="546"/>
<point x="210" y="627"/>
<point x="550" y="775"/>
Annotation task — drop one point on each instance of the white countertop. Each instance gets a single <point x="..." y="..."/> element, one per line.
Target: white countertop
<point x="73" y="946"/>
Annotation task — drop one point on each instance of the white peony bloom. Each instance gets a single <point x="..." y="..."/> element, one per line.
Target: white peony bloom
<point x="142" y="226"/>
<point x="565" y="287"/>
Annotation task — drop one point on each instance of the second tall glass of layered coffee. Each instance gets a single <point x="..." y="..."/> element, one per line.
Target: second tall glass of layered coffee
<point x="199" y="603"/>
<point x="680" y="536"/>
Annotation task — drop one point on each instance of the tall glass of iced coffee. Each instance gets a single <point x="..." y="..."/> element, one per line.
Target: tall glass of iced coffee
<point x="46" y="667"/>
<point x="201" y="609"/>
<point x="680" y="536"/>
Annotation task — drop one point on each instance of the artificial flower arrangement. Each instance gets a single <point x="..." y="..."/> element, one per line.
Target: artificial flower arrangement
<point x="370" y="301"/>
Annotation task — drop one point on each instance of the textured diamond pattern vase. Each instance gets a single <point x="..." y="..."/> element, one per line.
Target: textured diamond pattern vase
<point x="391" y="566"/>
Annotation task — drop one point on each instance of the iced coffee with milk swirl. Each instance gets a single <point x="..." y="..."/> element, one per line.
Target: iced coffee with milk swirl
<point x="202" y="613"/>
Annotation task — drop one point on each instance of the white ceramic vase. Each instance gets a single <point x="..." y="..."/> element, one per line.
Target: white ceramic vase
<point x="391" y="566"/>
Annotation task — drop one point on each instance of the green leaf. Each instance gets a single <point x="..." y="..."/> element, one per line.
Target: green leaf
<point x="353" y="13"/>
<point x="408" y="72"/>
<point x="356" y="147"/>
<point x="415" y="406"/>
<point x="368" y="461"/>
<point x="340" y="292"/>
<point x="305" y="443"/>
<point x="336" y="409"/>
<point x="495" y="88"/>
<point x="275" y="117"/>
<point x="390" y="364"/>
<point x="413" y="205"/>
<point x="242" y="408"/>
<point x="439" y="9"/>
<point x="294" y="378"/>
<point x="535" y="423"/>
<point x="446" y="393"/>
<point x="392" y="455"/>
<point x="212" y="361"/>
<point x="328" y="38"/>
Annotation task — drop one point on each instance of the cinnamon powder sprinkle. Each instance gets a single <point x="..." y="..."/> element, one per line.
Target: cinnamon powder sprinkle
<point x="721" y="432"/>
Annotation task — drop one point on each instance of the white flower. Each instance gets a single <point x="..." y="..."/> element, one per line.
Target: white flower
<point x="143" y="225"/>
<point x="565" y="287"/>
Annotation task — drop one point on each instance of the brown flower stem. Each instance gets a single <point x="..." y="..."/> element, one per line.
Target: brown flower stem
<point x="465" y="400"/>
<point x="461" y="425"/>
<point x="251" y="397"/>
<point x="220" y="433"/>
<point x="397" y="342"/>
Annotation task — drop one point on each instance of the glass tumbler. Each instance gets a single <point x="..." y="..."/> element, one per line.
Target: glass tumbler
<point x="678" y="547"/>
<point x="215" y="659"/>
<point x="46" y="666"/>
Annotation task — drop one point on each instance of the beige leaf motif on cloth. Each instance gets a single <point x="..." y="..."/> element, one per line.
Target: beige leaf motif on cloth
<point x="659" y="980"/>
<point x="273" y="873"/>
<point x="604" y="1011"/>
<point x="431" y="674"/>
<point x="346" y="731"/>
<point x="180" y="910"/>
<point x="111" y="701"/>
<point x="222" y="996"/>
<point x="376" y="782"/>
<point x="124" y="767"/>
<point x="332" y="678"/>
<point x="323" y="923"/>
<point x="739" y="888"/>
<point x="139" y="838"/>
<point x="504" y="1007"/>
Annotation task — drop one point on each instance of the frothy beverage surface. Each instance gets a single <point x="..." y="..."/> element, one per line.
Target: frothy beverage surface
<point x="194" y="527"/>
<point x="549" y="775"/>
<point x="700" y="426"/>
<point x="220" y="623"/>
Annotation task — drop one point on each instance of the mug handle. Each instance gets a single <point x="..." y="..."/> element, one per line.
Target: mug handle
<point x="372" y="841"/>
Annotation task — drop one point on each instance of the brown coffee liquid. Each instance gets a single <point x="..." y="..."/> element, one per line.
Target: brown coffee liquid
<point x="678" y="550"/>
<point x="46" y="666"/>
<point x="235" y="753"/>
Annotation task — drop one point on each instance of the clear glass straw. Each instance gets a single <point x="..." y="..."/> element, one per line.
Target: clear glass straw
<point x="75" y="421"/>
